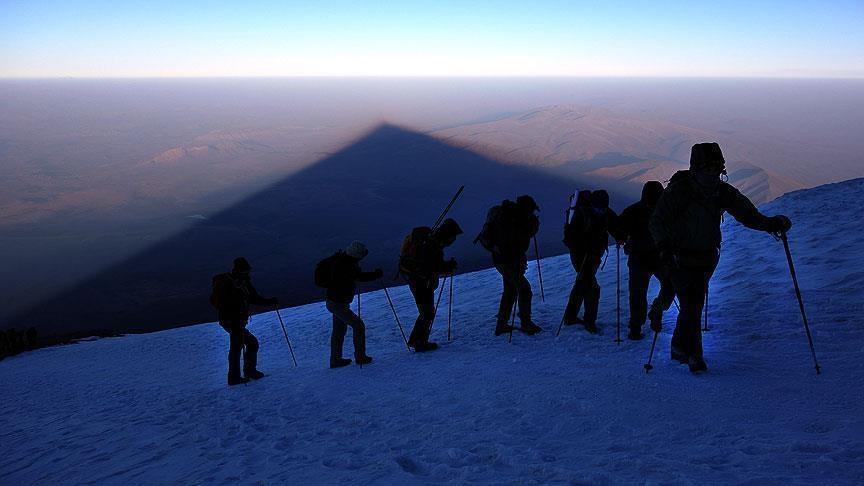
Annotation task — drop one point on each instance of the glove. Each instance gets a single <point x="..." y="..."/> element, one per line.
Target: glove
<point x="781" y="223"/>
<point x="379" y="273"/>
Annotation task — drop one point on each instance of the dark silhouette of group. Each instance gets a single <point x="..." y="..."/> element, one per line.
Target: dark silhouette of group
<point x="671" y="234"/>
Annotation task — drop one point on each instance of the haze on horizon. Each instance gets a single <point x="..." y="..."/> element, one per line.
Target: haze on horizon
<point x="98" y="38"/>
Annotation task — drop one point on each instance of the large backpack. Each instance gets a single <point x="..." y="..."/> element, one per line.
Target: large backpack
<point x="324" y="270"/>
<point x="412" y="245"/>
<point x="224" y="293"/>
<point x="492" y="234"/>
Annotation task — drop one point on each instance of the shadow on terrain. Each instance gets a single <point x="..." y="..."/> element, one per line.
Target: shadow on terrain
<point x="374" y="190"/>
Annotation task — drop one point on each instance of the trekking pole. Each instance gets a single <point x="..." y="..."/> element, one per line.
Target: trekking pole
<point x="358" y="301"/>
<point x="447" y="209"/>
<point x="286" y="336"/>
<point x="437" y="303"/>
<point x="618" y="291"/>
<point x="800" y="300"/>
<point x="705" y="328"/>
<point x="450" y="309"/>
<point x="648" y="366"/>
<point x="539" y="273"/>
<point x="393" y="308"/>
<point x="513" y="318"/>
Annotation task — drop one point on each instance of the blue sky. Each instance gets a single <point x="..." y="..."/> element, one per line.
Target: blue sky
<point x="160" y="38"/>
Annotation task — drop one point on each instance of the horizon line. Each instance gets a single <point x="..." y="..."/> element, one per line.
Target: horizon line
<point x="429" y="76"/>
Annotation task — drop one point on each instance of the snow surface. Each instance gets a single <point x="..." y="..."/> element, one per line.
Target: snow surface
<point x="154" y="408"/>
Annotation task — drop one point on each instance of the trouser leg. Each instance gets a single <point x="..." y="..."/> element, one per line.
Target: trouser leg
<point x="424" y="297"/>
<point x="508" y="295"/>
<point x="343" y="316"/>
<point x="250" y="357"/>
<point x="690" y="287"/>
<point x="590" y="289"/>
<point x="637" y="288"/>
<point x="235" y="330"/>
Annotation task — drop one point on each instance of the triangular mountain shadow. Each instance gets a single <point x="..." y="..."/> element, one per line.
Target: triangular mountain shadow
<point x="374" y="190"/>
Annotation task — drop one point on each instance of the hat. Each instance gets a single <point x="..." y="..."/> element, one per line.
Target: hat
<point x="600" y="199"/>
<point x="241" y="265"/>
<point x="527" y="202"/>
<point x="356" y="250"/>
<point x="704" y="155"/>
<point x="449" y="227"/>
<point x="651" y="192"/>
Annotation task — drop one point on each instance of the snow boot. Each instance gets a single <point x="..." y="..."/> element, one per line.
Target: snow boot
<point x="339" y="362"/>
<point x="679" y="355"/>
<point x="502" y="329"/>
<point x="254" y="375"/>
<point x="237" y="380"/>
<point x="424" y="347"/>
<point x="363" y="360"/>
<point x="697" y="364"/>
<point x="529" y="328"/>
<point x="635" y="335"/>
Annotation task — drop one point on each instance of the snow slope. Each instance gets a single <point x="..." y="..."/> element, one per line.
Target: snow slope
<point x="154" y="408"/>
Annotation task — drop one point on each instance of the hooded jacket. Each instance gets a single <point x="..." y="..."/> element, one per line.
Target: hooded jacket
<point x="633" y="225"/>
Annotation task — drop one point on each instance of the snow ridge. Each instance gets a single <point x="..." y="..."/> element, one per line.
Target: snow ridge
<point x="154" y="408"/>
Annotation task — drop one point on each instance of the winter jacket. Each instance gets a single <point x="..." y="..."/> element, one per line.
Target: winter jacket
<point x="430" y="264"/>
<point x="235" y="295"/>
<point x="345" y="275"/>
<point x="516" y="228"/>
<point x="633" y="228"/>
<point x="688" y="216"/>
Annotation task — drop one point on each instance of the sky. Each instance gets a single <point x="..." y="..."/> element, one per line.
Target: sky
<point x="661" y="38"/>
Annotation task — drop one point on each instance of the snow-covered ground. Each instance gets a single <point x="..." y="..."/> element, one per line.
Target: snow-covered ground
<point x="154" y="408"/>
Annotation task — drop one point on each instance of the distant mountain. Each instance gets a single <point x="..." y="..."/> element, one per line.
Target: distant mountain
<point x="600" y="145"/>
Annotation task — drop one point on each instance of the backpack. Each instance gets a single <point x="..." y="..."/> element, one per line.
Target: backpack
<point x="409" y="255"/>
<point x="324" y="270"/>
<point x="492" y="233"/>
<point x="223" y="290"/>
<point x="576" y="231"/>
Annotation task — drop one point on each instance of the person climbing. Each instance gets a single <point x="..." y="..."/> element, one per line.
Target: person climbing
<point x="422" y="263"/>
<point x="507" y="234"/>
<point x="339" y="273"/>
<point x="233" y="294"/>
<point x="590" y="230"/>
<point x="575" y="241"/>
<point x="685" y="226"/>
<point x="643" y="260"/>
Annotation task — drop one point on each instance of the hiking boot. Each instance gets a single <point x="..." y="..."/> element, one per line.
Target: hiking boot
<point x="237" y="380"/>
<point x="424" y="347"/>
<point x="697" y="364"/>
<point x="573" y="321"/>
<point x="362" y="360"/>
<point x="254" y="375"/>
<point x="339" y="362"/>
<point x="502" y="329"/>
<point x="635" y="335"/>
<point x="530" y="328"/>
<point x="679" y="355"/>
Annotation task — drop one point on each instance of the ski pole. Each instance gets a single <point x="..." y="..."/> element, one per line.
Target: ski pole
<point x="286" y="336"/>
<point x="447" y="209"/>
<point x="618" y="291"/>
<point x="393" y="308"/>
<point x="450" y="308"/>
<point x="705" y="328"/>
<point x="648" y="366"/>
<point x="539" y="273"/>
<point x="800" y="300"/>
<point x="358" y="301"/>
